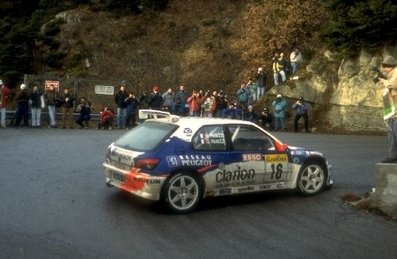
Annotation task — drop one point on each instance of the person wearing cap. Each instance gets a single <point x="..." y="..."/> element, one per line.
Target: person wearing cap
<point x="119" y="99"/>
<point x="22" y="111"/>
<point x="265" y="119"/>
<point x="302" y="109"/>
<point x="155" y="100"/>
<point x="389" y="83"/>
<point x="279" y="106"/>
<point x="4" y="93"/>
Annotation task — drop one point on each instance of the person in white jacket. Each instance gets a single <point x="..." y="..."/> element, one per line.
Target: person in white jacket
<point x="295" y="59"/>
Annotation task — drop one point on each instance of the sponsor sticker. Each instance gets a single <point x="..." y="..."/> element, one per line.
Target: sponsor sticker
<point x="188" y="132"/>
<point x="277" y="158"/>
<point x="252" y="157"/>
<point x="189" y="160"/>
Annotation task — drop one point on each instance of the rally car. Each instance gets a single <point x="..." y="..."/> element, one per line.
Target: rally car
<point x="180" y="160"/>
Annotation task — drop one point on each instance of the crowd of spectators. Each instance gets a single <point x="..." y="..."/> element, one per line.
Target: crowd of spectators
<point x="184" y="102"/>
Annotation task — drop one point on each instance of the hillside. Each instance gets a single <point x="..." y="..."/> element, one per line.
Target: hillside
<point x="202" y="44"/>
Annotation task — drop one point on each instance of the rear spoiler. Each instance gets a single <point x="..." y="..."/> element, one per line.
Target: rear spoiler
<point x="156" y="114"/>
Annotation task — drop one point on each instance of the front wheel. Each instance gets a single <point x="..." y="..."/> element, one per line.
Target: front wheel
<point x="182" y="193"/>
<point x="312" y="179"/>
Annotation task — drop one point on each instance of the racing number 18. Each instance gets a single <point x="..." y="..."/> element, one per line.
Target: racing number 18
<point x="277" y="171"/>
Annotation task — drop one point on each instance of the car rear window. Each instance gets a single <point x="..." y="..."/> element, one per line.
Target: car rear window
<point x="146" y="136"/>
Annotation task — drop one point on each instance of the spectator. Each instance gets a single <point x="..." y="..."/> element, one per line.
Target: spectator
<point x="84" y="110"/>
<point x="266" y="119"/>
<point x="261" y="81"/>
<point x="22" y="111"/>
<point x="4" y="95"/>
<point x="132" y="109"/>
<point x="242" y="96"/>
<point x="221" y="104"/>
<point x="181" y="101"/>
<point x="283" y="66"/>
<point x="279" y="106"/>
<point x="106" y="118"/>
<point x="233" y="112"/>
<point x="214" y="107"/>
<point x="295" y="59"/>
<point x="36" y="100"/>
<point x="250" y="115"/>
<point x="155" y="100"/>
<point x="279" y="69"/>
<point x="389" y="83"/>
<point x="208" y="104"/>
<point x="301" y="108"/>
<point x="67" y="104"/>
<point x="169" y="100"/>
<point x="252" y="87"/>
<point x="119" y="99"/>
<point x="194" y="102"/>
<point x="51" y="99"/>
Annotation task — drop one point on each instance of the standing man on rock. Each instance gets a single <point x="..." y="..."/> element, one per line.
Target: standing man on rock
<point x="389" y="83"/>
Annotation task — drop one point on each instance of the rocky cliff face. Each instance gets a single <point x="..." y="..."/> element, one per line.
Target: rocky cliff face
<point x="343" y="93"/>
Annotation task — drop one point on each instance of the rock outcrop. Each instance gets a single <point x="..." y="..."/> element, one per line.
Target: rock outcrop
<point x="343" y="93"/>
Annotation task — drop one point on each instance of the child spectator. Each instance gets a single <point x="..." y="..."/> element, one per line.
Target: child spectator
<point x="106" y="117"/>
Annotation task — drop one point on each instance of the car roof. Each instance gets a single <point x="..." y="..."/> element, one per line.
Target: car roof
<point x="194" y="122"/>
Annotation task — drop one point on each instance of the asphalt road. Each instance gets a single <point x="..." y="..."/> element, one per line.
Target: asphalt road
<point x="54" y="204"/>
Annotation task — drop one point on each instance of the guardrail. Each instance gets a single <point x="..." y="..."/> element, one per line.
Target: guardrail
<point x="10" y="117"/>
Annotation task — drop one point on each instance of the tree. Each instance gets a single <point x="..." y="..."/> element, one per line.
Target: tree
<point x="357" y="24"/>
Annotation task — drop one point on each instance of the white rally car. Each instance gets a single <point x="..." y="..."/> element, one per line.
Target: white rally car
<point x="180" y="160"/>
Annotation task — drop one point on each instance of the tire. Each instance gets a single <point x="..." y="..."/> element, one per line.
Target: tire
<point x="182" y="193"/>
<point x="312" y="179"/>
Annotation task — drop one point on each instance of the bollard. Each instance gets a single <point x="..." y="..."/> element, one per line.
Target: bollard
<point x="385" y="195"/>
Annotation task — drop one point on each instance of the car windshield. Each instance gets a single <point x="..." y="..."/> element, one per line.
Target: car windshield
<point x="146" y="136"/>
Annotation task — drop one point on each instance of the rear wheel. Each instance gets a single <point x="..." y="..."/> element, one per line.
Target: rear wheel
<point x="312" y="179"/>
<point x="182" y="192"/>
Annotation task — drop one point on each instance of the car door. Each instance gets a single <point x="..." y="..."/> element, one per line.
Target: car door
<point x="255" y="153"/>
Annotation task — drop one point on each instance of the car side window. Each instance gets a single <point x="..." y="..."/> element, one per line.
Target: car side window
<point x="210" y="138"/>
<point x="248" y="138"/>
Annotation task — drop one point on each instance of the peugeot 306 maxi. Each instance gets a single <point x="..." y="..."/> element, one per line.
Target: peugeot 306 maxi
<point x="180" y="160"/>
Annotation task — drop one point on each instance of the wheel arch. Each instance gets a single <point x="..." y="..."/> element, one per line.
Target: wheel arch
<point x="188" y="170"/>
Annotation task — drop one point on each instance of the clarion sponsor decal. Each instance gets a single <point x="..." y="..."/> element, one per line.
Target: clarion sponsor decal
<point x="224" y="176"/>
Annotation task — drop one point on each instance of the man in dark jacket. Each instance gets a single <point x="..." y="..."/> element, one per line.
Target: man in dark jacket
<point x="155" y="100"/>
<point x="67" y="104"/>
<point x="22" y="108"/>
<point x="132" y="109"/>
<point x="181" y="102"/>
<point x="35" y="106"/>
<point x="119" y="99"/>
